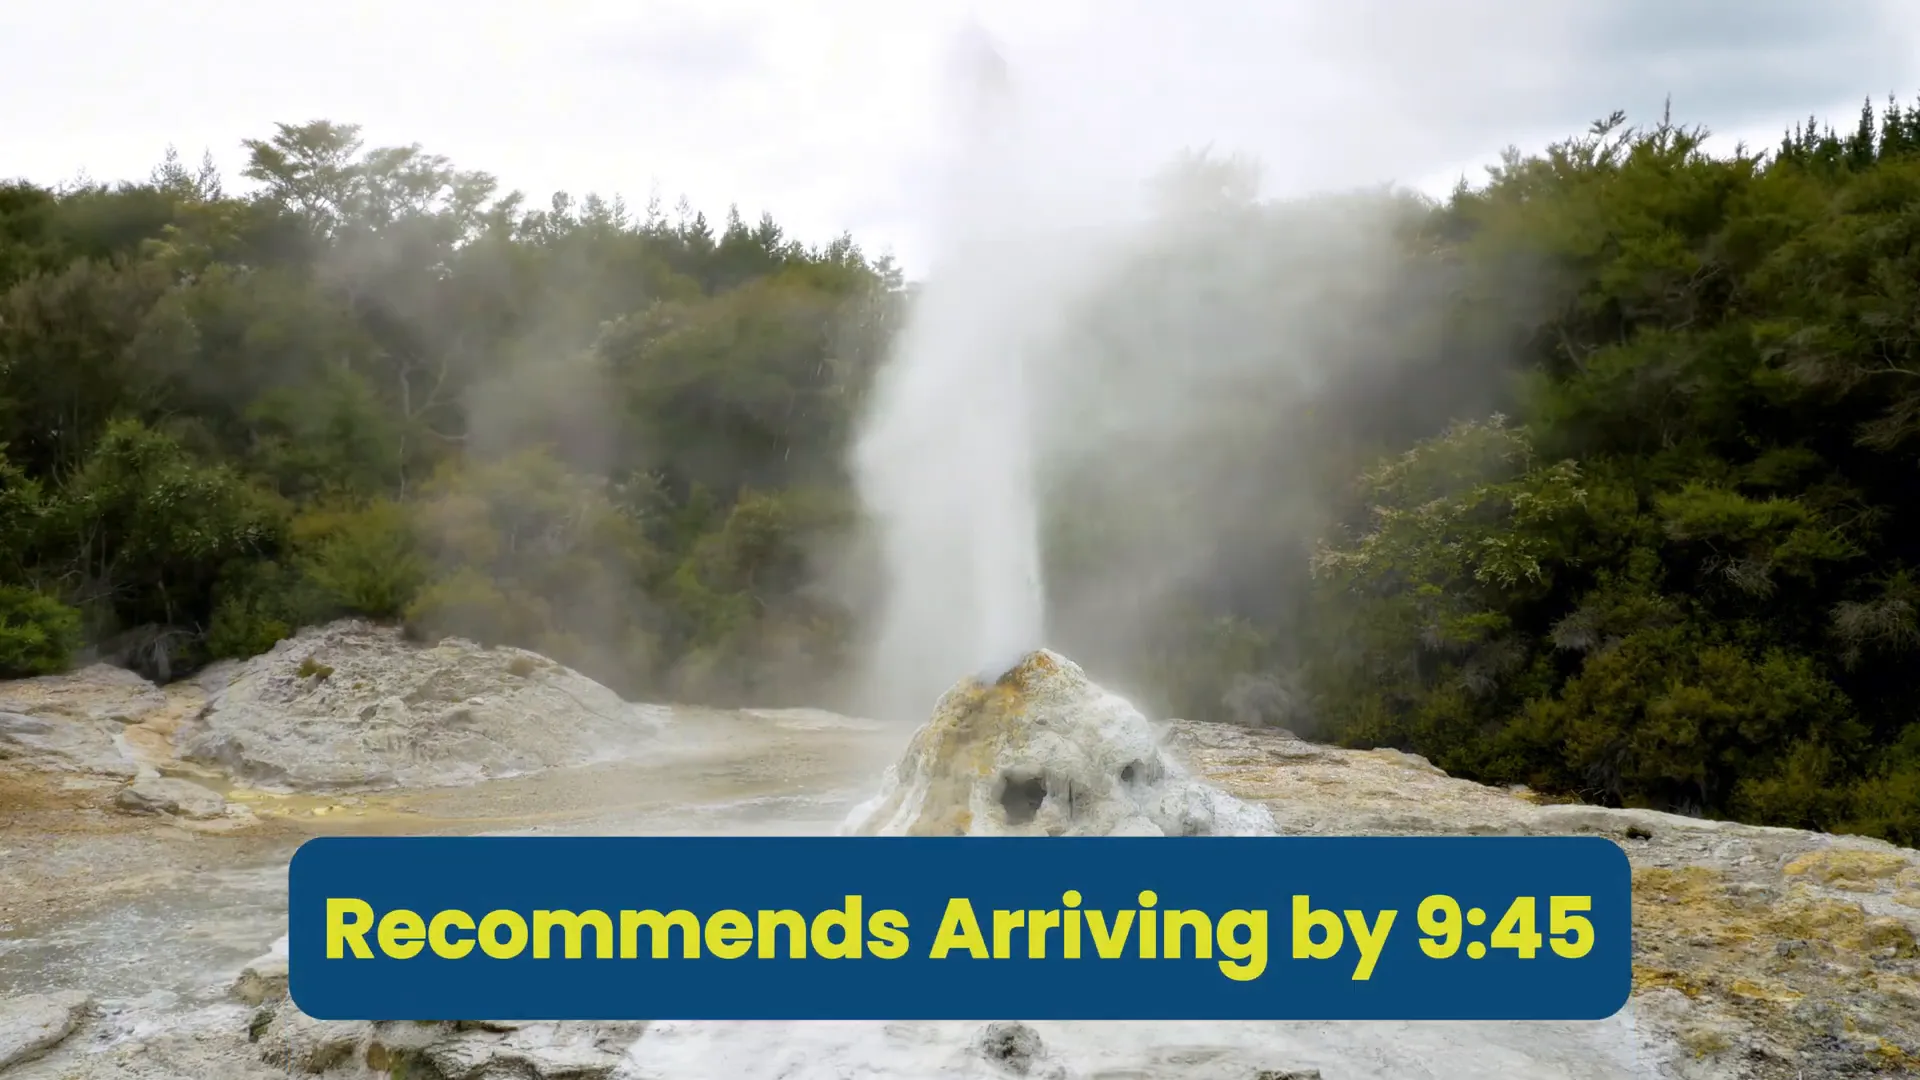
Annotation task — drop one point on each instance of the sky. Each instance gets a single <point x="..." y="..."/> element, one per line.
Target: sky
<point x="831" y="114"/>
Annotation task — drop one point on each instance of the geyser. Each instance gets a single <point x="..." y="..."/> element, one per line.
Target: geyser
<point x="943" y="464"/>
<point x="1042" y="750"/>
<point x="945" y="461"/>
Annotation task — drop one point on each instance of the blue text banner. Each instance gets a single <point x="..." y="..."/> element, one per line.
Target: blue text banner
<point x="960" y="928"/>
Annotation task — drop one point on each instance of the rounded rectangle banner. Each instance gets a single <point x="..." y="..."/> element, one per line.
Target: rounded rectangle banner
<point x="962" y="928"/>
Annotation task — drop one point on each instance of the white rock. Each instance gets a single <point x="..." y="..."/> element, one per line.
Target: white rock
<point x="36" y="1023"/>
<point x="294" y="1041"/>
<point x="263" y="980"/>
<point x="1044" y="751"/>
<point x="572" y="1051"/>
<point x="354" y="706"/>
<point x="165" y="795"/>
<point x="63" y="743"/>
<point x="99" y="720"/>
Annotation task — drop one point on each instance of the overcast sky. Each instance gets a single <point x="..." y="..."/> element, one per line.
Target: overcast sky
<point x="829" y="113"/>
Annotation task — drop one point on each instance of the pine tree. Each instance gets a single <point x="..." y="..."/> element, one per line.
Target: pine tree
<point x="1859" y="147"/>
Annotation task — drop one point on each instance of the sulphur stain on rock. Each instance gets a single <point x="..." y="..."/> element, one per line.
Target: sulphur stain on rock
<point x="1704" y="1041"/>
<point x="960" y="745"/>
<point x="1695" y="904"/>
<point x="1892" y="1059"/>
<point x="1021" y="676"/>
<point x="1542" y="798"/>
<point x="1768" y="991"/>
<point x="1886" y="933"/>
<point x="1652" y="978"/>
<point x="1854" y="871"/>
<point x="1752" y="952"/>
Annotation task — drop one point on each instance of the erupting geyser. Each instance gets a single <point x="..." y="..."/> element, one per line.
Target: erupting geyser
<point x="1044" y="751"/>
<point x="945" y="462"/>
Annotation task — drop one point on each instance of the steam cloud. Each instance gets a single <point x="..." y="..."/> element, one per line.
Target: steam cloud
<point x="1126" y="391"/>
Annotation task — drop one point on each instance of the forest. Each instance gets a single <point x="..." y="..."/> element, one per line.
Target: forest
<point x="1608" y="486"/>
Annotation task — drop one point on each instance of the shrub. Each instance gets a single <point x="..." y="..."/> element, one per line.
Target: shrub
<point x="364" y="559"/>
<point x="38" y="634"/>
<point x="469" y="604"/>
<point x="257" y="604"/>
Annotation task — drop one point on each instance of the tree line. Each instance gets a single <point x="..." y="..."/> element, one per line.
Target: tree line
<point x="1681" y="572"/>
<point x="1614" y="496"/>
<point x="380" y="386"/>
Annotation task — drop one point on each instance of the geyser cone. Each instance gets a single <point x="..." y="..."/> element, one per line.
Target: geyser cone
<point x="1042" y="750"/>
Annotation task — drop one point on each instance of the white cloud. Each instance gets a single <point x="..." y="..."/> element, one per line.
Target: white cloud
<point x="829" y="114"/>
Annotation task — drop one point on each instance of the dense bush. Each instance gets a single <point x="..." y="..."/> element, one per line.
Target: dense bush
<point x="380" y="387"/>
<point x="38" y="634"/>
<point x="1681" y="577"/>
<point x="1680" y="568"/>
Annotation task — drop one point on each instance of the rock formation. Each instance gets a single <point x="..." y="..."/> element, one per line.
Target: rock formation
<point x="1043" y="751"/>
<point x="1759" y="954"/>
<point x="165" y="795"/>
<point x="451" y="713"/>
<point x="99" y="720"/>
<point x="33" y="1024"/>
<point x="350" y="706"/>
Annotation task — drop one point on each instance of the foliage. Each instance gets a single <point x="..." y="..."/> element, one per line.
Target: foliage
<point x="1668" y="559"/>
<point x="364" y="561"/>
<point x="377" y="385"/>
<point x="1699" y="595"/>
<point x="38" y="634"/>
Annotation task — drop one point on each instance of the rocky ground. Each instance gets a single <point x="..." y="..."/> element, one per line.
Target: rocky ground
<point x="1760" y="954"/>
<point x="1768" y="953"/>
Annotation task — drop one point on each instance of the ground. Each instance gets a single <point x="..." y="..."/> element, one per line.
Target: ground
<point x="1762" y="954"/>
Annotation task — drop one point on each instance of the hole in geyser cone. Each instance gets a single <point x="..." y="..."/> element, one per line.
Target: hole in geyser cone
<point x="1021" y="798"/>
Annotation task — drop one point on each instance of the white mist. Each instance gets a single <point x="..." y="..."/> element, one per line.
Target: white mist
<point x="946" y="463"/>
<point x="1210" y="315"/>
